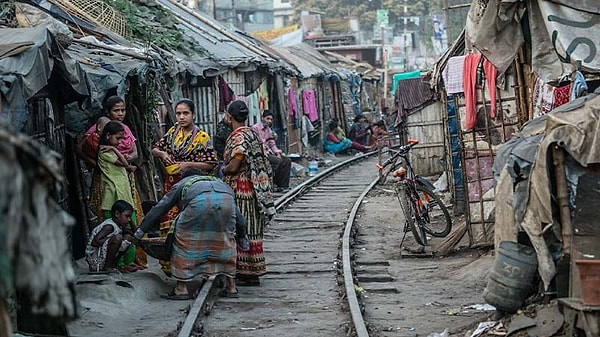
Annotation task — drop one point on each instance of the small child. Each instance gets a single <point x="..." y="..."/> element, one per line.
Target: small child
<point x="107" y="243"/>
<point x="114" y="180"/>
<point x="88" y="147"/>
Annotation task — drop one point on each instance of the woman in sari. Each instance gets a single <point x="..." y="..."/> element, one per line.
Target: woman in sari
<point x="183" y="146"/>
<point x="248" y="171"/>
<point x="114" y="108"/>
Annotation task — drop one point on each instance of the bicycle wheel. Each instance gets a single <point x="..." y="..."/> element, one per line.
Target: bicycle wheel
<point x="434" y="215"/>
<point x="416" y="226"/>
<point x="410" y="215"/>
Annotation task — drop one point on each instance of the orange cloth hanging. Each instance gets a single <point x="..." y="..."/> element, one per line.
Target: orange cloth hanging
<point x="470" y="86"/>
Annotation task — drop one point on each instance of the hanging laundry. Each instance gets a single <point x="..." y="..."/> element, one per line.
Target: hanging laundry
<point x="490" y="76"/>
<point x="225" y="94"/>
<point x="453" y="74"/>
<point x="561" y="95"/>
<point x="263" y="96"/>
<point x="309" y="104"/>
<point x="470" y="72"/>
<point x="470" y="86"/>
<point x="543" y="98"/>
<point x="307" y="128"/>
<point x="254" y="111"/>
<point x="293" y="107"/>
<point x="579" y="86"/>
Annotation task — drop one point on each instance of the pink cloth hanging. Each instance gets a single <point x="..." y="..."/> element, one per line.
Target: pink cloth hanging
<point x="490" y="77"/>
<point x="309" y="104"/>
<point x="470" y="84"/>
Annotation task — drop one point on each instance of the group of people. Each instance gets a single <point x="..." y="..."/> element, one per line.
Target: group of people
<point x="362" y="136"/>
<point x="216" y="200"/>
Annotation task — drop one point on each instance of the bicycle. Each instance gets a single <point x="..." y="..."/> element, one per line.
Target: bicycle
<point x="424" y="211"/>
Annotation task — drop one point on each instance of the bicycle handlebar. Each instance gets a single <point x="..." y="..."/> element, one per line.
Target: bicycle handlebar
<point x="403" y="150"/>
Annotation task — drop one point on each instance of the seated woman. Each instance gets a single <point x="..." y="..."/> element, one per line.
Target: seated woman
<point x="360" y="130"/>
<point x="378" y="138"/>
<point x="333" y="144"/>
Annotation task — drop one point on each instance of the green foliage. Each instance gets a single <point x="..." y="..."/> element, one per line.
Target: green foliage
<point x="151" y="24"/>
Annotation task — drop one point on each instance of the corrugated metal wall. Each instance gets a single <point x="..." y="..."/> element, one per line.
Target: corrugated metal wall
<point x="427" y="126"/>
<point x="206" y="107"/>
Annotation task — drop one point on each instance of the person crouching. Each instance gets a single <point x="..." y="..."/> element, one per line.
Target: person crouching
<point x="205" y="231"/>
<point x="107" y="241"/>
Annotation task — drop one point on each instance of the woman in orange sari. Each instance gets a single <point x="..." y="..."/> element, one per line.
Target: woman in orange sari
<point x="183" y="146"/>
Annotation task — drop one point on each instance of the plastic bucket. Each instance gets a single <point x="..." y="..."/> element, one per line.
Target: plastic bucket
<point x="589" y="275"/>
<point x="510" y="280"/>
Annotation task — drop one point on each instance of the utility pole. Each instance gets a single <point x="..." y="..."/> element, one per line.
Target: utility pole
<point x="405" y="39"/>
<point x="384" y="57"/>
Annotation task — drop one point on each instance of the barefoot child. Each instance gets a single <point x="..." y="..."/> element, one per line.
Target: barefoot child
<point x="107" y="243"/>
<point x="113" y="169"/>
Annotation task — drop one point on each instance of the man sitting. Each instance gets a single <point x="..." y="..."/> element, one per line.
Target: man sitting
<point x="280" y="163"/>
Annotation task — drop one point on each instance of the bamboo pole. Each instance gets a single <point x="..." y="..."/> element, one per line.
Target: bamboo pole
<point x="562" y="194"/>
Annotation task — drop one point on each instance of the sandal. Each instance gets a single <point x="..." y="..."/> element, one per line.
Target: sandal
<point x="227" y="293"/>
<point x="175" y="297"/>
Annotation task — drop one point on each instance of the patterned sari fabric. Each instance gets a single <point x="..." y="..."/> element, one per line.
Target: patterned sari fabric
<point x="195" y="146"/>
<point x="205" y="247"/>
<point x="126" y="147"/>
<point x="252" y="187"/>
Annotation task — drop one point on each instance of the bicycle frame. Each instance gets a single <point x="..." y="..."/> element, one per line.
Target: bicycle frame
<point x="417" y="200"/>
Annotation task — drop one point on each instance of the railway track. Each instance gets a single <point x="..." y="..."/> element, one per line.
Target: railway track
<point x="309" y="288"/>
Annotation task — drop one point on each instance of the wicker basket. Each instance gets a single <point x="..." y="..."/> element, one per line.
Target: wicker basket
<point x="96" y="12"/>
<point x="157" y="248"/>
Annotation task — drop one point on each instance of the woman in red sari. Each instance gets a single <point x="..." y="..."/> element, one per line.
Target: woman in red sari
<point x="249" y="174"/>
<point x="183" y="146"/>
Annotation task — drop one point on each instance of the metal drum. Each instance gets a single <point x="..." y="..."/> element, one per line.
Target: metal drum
<point x="511" y="278"/>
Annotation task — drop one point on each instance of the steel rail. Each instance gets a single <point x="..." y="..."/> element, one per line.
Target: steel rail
<point x="210" y="287"/>
<point x="355" y="310"/>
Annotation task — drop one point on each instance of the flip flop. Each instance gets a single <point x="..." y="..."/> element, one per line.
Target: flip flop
<point x="175" y="297"/>
<point x="226" y="293"/>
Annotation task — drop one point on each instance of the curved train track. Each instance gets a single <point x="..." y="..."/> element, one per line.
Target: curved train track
<point x="309" y="279"/>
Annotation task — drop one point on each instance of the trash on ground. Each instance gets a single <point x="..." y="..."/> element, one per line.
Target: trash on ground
<point x="482" y="307"/>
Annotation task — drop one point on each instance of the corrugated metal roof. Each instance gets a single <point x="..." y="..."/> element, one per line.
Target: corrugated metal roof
<point x="220" y="43"/>
<point x="307" y="60"/>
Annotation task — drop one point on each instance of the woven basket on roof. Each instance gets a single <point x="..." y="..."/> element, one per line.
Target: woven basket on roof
<point x="96" y="12"/>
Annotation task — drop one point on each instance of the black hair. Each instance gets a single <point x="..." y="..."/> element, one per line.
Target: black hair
<point x="110" y="102"/>
<point x="332" y="125"/>
<point x="110" y="128"/>
<point x="268" y="113"/>
<point x="379" y="123"/>
<point x="358" y="118"/>
<point x="192" y="171"/>
<point x="120" y="206"/>
<point x="190" y="104"/>
<point x="238" y="110"/>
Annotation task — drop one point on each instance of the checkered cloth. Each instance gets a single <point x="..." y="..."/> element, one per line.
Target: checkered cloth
<point x="453" y="75"/>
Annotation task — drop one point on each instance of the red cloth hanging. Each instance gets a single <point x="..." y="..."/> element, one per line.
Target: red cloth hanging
<point x="470" y="86"/>
<point x="469" y="82"/>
